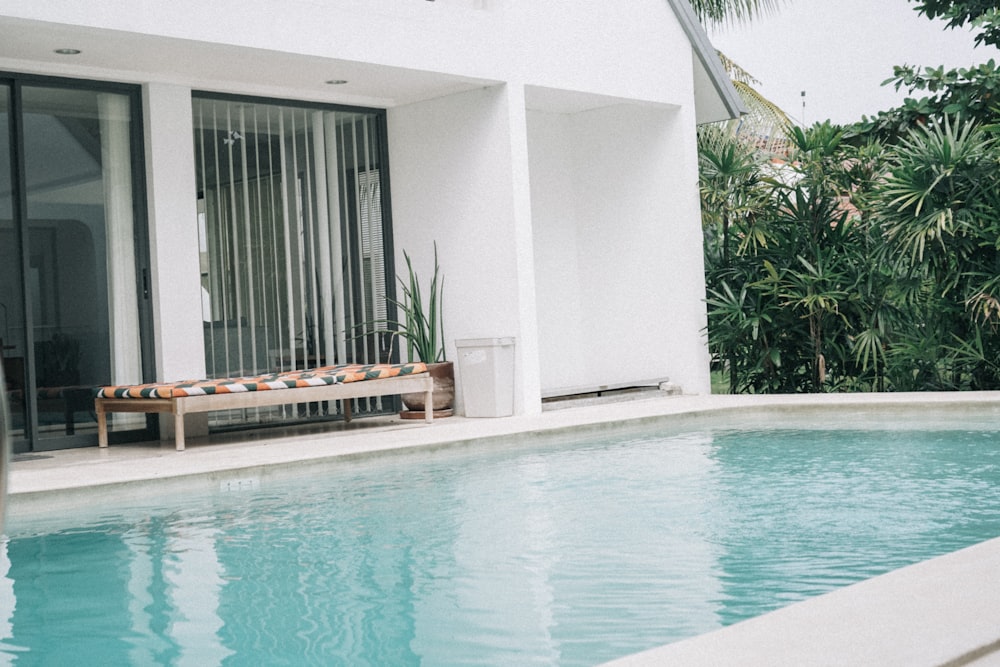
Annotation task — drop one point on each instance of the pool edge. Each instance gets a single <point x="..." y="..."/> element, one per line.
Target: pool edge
<point x="75" y="474"/>
<point x="942" y="612"/>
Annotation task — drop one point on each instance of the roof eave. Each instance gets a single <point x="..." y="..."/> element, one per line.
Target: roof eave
<point x="731" y="104"/>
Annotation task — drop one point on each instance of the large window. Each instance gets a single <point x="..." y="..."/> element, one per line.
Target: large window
<point x="292" y="229"/>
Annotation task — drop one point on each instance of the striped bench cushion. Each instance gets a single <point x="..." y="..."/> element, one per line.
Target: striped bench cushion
<point x="274" y="381"/>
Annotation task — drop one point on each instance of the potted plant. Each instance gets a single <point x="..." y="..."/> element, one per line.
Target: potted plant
<point x="420" y="324"/>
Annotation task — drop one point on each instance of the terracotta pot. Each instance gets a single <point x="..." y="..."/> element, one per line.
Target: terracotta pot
<point x="444" y="393"/>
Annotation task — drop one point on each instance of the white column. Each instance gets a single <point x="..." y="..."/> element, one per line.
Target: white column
<point x="173" y="228"/>
<point x="442" y="150"/>
<point x="527" y="382"/>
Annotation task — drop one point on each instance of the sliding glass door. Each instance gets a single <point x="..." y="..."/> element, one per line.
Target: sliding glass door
<point x="294" y="233"/>
<point x="70" y="285"/>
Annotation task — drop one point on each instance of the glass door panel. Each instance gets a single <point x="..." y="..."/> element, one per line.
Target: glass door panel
<point x="80" y="258"/>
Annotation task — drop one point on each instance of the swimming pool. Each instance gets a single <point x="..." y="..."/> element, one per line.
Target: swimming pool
<point x="565" y="551"/>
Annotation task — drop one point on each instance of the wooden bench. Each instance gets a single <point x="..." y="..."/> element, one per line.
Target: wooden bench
<point x="330" y="383"/>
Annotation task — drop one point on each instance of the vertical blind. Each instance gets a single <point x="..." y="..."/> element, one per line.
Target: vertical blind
<point x="292" y="237"/>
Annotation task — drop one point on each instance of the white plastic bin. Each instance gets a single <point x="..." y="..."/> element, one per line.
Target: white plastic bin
<point x="486" y="372"/>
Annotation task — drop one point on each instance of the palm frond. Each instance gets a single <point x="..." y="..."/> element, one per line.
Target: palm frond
<point x="765" y="126"/>
<point x="732" y="12"/>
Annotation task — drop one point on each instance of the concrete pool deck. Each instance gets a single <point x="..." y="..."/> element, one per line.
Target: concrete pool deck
<point x="942" y="612"/>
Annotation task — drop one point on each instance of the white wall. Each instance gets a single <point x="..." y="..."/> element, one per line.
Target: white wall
<point x="618" y="268"/>
<point x="454" y="179"/>
<point x="607" y="214"/>
<point x="562" y="340"/>
<point x="635" y="51"/>
<point x="613" y="287"/>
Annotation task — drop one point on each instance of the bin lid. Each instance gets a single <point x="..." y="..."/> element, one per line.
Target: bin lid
<point x="485" y="342"/>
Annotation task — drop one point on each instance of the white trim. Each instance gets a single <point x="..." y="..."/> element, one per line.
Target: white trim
<point x="706" y="55"/>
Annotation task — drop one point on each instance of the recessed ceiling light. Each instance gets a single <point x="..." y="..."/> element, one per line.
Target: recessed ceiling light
<point x="337" y="82"/>
<point x="67" y="52"/>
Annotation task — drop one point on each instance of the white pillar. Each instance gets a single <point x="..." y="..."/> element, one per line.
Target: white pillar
<point x="173" y="229"/>
<point x="527" y="379"/>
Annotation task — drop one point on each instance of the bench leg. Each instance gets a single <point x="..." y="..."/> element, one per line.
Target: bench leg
<point x="429" y="405"/>
<point x="102" y="428"/>
<point x="346" y="404"/>
<point x="179" y="431"/>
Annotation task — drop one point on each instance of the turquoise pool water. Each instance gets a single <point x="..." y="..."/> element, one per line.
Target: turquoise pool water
<point x="560" y="553"/>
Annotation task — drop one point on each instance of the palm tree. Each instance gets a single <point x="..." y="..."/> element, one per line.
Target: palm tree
<point x="765" y="126"/>
<point x="732" y="157"/>
<point x="937" y="207"/>
<point x="722" y="12"/>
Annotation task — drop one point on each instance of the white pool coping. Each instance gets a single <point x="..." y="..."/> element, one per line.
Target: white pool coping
<point x="945" y="611"/>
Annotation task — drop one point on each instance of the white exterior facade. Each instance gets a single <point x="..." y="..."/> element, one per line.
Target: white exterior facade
<point x="548" y="148"/>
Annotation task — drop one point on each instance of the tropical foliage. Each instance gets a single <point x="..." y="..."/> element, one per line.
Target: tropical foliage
<point x="965" y="92"/>
<point x="422" y="325"/>
<point x="855" y="267"/>
<point x="763" y="126"/>
<point x="418" y="318"/>
<point x="780" y="272"/>
<point x="983" y="15"/>
<point x="719" y="12"/>
<point x="938" y="211"/>
<point x="864" y="257"/>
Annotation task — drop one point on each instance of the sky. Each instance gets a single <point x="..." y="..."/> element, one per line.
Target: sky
<point x="839" y="52"/>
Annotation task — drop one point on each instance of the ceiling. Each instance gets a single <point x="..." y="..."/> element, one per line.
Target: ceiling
<point x="29" y="46"/>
